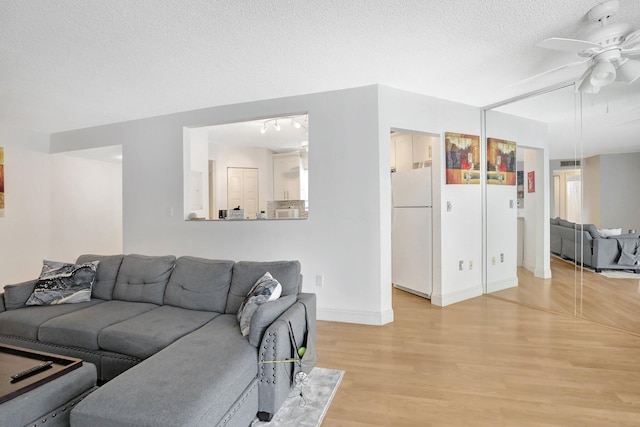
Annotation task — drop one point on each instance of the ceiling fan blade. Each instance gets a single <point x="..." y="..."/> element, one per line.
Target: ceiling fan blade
<point x="568" y="45"/>
<point x="629" y="71"/>
<point x="631" y="39"/>
<point x="631" y="51"/>
<point x="551" y="71"/>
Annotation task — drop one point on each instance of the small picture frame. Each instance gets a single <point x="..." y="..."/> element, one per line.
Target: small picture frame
<point x="531" y="182"/>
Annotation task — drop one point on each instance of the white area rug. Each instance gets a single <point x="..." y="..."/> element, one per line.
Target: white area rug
<point x="307" y="409"/>
<point x="614" y="274"/>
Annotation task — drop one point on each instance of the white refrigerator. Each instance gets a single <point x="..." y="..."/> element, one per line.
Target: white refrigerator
<point x="411" y="233"/>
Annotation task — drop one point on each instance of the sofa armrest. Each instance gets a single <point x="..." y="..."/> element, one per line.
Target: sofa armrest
<point x="15" y="296"/>
<point x="2" y="307"/>
<point x="605" y="252"/>
<point x="277" y="358"/>
<point x="265" y="315"/>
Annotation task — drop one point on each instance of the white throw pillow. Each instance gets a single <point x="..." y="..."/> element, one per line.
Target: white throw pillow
<point x="265" y="289"/>
<point x="606" y="232"/>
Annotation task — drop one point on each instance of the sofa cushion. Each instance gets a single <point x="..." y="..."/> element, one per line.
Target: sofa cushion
<point x="15" y="296"/>
<point x="565" y="223"/>
<point x="143" y="278"/>
<point x="148" y="333"/>
<point x="179" y="386"/>
<point x="246" y="273"/>
<point x="105" y="275"/>
<point x="264" y="290"/>
<point x="63" y="283"/>
<point x="199" y="284"/>
<point x="555" y="221"/>
<point x="593" y="231"/>
<point x="608" y="232"/>
<point x="81" y="328"/>
<point x="25" y="322"/>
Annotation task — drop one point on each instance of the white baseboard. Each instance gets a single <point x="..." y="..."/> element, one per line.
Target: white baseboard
<point x="538" y="272"/>
<point x="502" y="284"/>
<point x="454" y="297"/>
<point x="542" y="273"/>
<point x="351" y="316"/>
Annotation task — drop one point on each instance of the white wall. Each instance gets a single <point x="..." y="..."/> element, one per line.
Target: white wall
<point x="457" y="234"/>
<point x="24" y="230"/>
<point x="341" y="239"/>
<point x="620" y="199"/>
<point x="591" y="191"/>
<point x="196" y="173"/>
<point x="86" y="207"/>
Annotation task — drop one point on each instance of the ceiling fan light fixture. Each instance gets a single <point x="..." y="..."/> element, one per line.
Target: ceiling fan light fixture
<point x="587" y="87"/>
<point x="603" y="73"/>
<point x="629" y="71"/>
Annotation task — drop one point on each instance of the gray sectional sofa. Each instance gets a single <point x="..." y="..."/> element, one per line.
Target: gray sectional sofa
<point x="583" y="244"/>
<point x="163" y="335"/>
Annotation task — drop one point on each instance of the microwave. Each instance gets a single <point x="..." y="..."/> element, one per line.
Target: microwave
<point x="287" y="213"/>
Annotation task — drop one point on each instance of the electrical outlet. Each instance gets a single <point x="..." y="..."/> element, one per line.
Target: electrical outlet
<point x="501" y="257"/>
<point x="449" y="206"/>
<point x="319" y="280"/>
<point x="493" y="260"/>
<point x="460" y="265"/>
<point x="470" y="265"/>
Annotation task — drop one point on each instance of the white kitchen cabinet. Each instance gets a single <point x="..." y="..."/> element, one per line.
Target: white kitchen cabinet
<point x="287" y="182"/>
<point x="404" y="152"/>
<point x="410" y="151"/>
<point x="421" y="149"/>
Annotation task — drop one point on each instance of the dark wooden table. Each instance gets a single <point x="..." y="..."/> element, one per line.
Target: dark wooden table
<point x="15" y="359"/>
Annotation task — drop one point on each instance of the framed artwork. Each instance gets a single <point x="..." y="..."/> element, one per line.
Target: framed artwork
<point x="501" y="162"/>
<point x="462" y="158"/>
<point x="520" y="188"/>
<point x="531" y="182"/>
<point x="1" y="182"/>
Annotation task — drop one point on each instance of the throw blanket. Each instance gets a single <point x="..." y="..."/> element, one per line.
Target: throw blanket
<point x="629" y="253"/>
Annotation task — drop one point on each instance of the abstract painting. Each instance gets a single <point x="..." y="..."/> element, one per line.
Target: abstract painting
<point x="1" y="182"/>
<point x="462" y="158"/>
<point x="501" y="162"/>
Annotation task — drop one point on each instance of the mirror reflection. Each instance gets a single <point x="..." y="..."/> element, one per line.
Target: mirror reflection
<point x="592" y="215"/>
<point x="250" y="170"/>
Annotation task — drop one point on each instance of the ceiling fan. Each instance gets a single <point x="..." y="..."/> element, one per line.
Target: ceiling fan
<point x="608" y="50"/>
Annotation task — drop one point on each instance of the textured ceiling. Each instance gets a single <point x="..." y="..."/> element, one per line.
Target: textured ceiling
<point x="67" y="64"/>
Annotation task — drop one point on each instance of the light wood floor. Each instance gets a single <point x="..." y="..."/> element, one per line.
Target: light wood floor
<point x="613" y="302"/>
<point x="481" y="362"/>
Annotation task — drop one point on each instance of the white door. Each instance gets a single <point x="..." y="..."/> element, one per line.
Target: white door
<point x="242" y="190"/>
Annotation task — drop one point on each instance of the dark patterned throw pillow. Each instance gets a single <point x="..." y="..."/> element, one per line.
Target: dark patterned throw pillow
<point x="63" y="283"/>
<point x="265" y="289"/>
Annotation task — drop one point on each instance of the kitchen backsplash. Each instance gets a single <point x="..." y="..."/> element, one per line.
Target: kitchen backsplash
<point x="286" y="204"/>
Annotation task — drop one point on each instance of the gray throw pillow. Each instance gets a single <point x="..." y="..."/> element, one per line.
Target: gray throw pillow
<point x="265" y="289"/>
<point x="63" y="283"/>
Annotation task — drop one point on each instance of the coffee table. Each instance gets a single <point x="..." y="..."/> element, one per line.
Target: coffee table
<point x="47" y="395"/>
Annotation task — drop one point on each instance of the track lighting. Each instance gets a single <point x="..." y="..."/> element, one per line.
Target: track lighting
<point x="276" y="125"/>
